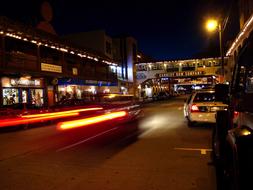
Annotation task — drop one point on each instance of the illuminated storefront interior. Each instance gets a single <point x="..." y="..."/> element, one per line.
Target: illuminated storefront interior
<point x="23" y="90"/>
<point x="83" y="89"/>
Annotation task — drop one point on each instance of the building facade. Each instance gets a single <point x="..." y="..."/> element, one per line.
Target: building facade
<point x="178" y="75"/>
<point x="123" y="50"/>
<point x="40" y="68"/>
<point x="96" y="40"/>
<point x="243" y="38"/>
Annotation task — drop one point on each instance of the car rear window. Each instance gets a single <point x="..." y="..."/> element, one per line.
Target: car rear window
<point x="204" y="97"/>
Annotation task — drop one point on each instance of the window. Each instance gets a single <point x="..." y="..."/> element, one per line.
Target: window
<point x="200" y="64"/>
<point x="204" y="97"/>
<point x="10" y="96"/>
<point x="241" y="78"/>
<point x="37" y="97"/>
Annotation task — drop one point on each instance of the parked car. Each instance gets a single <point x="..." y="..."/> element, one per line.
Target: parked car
<point x="162" y="96"/>
<point x="69" y="104"/>
<point x="175" y="94"/>
<point x="233" y="135"/>
<point x="201" y="107"/>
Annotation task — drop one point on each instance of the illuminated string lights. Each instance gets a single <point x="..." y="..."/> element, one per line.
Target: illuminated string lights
<point x="63" y="49"/>
<point x="55" y="47"/>
<point x="91" y="120"/>
<point x="241" y="36"/>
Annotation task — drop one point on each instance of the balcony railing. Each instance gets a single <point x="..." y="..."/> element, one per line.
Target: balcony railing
<point x="18" y="60"/>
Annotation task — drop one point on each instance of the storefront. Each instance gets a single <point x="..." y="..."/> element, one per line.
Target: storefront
<point x="23" y="90"/>
<point x="80" y="89"/>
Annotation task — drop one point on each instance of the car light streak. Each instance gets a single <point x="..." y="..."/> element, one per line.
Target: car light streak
<point x="61" y="112"/>
<point x="91" y="120"/>
<point x="21" y="121"/>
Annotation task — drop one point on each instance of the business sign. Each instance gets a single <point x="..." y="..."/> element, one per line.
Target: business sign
<point x="21" y="82"/>
<point x="51" y="68"/>
<point x="181" y="74"/>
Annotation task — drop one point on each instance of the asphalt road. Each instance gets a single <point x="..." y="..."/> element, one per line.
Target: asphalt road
<point x="158" y="152"/>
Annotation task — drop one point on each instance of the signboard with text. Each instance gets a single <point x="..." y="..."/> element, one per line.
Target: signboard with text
<point x="21" y="82"/>
<point x="179" y="74"/>
<point x="51" y="68"/>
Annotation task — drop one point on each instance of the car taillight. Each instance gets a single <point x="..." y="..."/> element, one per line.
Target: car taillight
<point x="236" y="113"/>
<point x="194" y="108"/>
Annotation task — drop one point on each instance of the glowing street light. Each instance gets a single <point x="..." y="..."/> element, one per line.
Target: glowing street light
<point x="211" y="25"/>
<point x="215" y="25"/>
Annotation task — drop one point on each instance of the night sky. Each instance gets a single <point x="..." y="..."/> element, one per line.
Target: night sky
<point x="164" y="29"/>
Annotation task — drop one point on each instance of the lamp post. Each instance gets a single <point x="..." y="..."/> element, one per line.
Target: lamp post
<point x="211" y="26"/>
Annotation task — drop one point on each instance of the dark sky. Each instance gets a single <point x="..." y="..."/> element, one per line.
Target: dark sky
<point x="164" y="29"/>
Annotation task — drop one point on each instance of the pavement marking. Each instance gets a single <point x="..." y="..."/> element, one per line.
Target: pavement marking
<point x="85" y="140"/>
<point x="202" y="150"/>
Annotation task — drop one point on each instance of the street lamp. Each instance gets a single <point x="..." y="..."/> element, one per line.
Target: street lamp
<point x="214" y="25"/>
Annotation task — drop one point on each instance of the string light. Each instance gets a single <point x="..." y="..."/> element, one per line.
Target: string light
<point x="54" y="47"/>
<point x="240" y="36"/>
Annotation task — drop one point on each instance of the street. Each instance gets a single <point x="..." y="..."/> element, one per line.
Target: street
<point x="158" y="152"/>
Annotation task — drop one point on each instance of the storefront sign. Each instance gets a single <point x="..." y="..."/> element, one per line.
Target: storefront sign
<point x="51" y="68"/>
<point x="21" y="82"/>
<point x="179" y="74"/>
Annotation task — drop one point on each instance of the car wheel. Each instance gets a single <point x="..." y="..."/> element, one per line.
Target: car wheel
<point x="190" y="123"/>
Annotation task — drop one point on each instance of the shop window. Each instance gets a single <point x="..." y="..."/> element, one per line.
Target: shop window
<point x="10" y="96"/>
<point x="37" y="97"/>
<point x="69" y="92"/>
